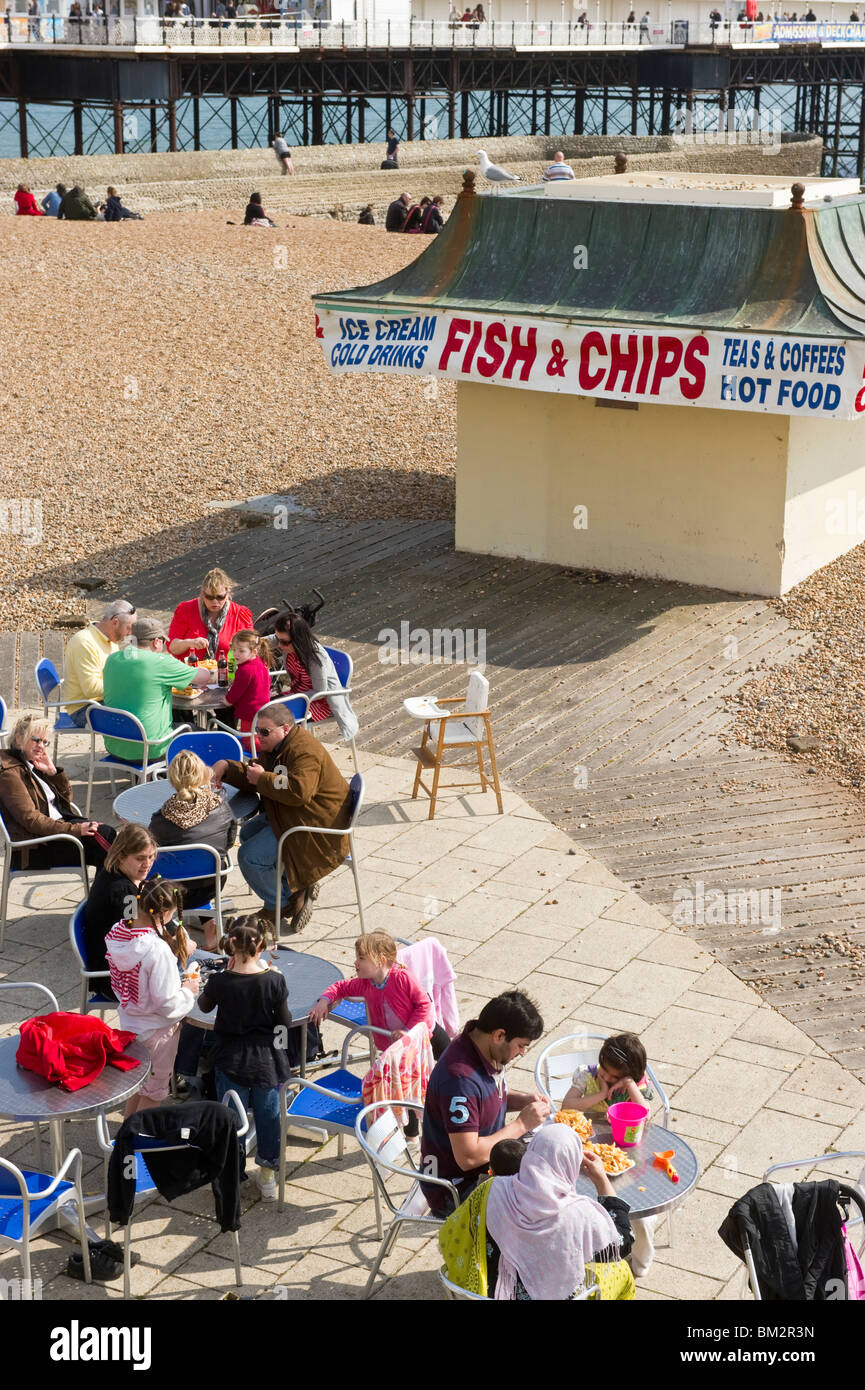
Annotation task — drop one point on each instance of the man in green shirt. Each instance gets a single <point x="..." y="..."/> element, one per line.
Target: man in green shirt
<point x="139" y="680"/>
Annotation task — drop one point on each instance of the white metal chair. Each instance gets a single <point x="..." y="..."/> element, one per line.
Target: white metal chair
<point x="4" y="732"/>
<point x="119" y="724"/>
<point x="29" y="1200"/>
<point x="453" y="1291"/>
<point x="357" y="790"/>
<point x="145" y="1187"/>
<point x="385" y="1147"/>
<point x="9" y="845"/>
<point x="467" y="727"/>
<point x="561" y="1058"/>
<point x="854" y="1190"/>
<point x="98" y="1002"/>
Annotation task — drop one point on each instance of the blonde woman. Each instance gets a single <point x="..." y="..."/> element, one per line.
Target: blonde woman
<point x="36" y="800"/>
<point x="205" y="625"/>
<point x="196" y="814"/>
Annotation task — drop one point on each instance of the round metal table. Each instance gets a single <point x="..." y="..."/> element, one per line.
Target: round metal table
<point x="30" y="1099"/>
<point x="306" y="977"/>
<point x="658" y="1193"/>
<point x="137" y="804"/>
<point x="211" y="701"/>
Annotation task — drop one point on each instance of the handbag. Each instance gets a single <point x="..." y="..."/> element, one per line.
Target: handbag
<point x="72" y="1049"/>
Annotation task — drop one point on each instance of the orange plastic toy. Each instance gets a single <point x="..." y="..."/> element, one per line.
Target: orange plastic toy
<point x="665" y="1161"/>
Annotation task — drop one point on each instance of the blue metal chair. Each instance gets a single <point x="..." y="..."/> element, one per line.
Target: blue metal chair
<point x="298" y="704"/>
<point x="9" y="873"/>
<point x="190" y="862"/>
<point x="30" y="1200"/>
<point x="343" y="665"/>
<point x="145" y="1187"/>
<point x="48" y="681"/>
<point x="357" y="791"/>
<point x="117" y="723"/>
<point x="100" y="1003"/>
<point x="326" y="1107"/>
<point x="209" y="744"/>
<point x="4" y="732"/>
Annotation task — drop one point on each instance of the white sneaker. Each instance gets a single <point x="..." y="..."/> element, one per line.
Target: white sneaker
<point x="267" y="1184"/>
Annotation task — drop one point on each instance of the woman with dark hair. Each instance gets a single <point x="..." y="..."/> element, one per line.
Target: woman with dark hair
<point x="432" y="221"/>
<point x="311" y="670"/>
<point x="414" y="218"/>
<point x="115" y="888"/>
<point x="255" y="212"/>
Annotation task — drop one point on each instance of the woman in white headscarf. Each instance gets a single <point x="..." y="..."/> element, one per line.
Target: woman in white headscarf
<point x="532" y="1236"/>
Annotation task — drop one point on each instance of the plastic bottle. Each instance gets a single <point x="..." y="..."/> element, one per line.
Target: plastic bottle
<point x="222" y="670"/>
<point x="232" y="664"/>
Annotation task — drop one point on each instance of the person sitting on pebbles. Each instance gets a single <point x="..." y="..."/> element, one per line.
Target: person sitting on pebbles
<point x="299" y="784"/>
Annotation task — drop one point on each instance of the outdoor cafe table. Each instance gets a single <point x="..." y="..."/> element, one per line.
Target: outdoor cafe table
<point x="646" y="1189"/>
<point x="30" y="1099"/>
<point x="139" y="803"/>
<point x="306" y="976"/>
<point x="211" y="701"/>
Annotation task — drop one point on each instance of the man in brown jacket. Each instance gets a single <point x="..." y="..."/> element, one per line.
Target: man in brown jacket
<point x="35" y="799"/>
<point x="299" y="784"/>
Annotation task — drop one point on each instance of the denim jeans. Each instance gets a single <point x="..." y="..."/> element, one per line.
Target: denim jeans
<point x="79" y="716"/>
<point x="265" y="1110"/>
<point x="256" y="859"/>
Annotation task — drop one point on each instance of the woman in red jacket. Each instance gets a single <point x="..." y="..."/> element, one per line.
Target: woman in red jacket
<point x="206" y="625"/>
<point x="25" y="203"/>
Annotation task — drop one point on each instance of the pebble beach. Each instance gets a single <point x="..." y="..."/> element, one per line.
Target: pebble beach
<point x="156" y="371"/>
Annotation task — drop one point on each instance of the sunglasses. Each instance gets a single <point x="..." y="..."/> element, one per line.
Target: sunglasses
<point x="44" y="741"/>
<point x="218" y="598"/>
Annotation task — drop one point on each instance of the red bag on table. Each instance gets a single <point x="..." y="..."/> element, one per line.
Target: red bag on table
<point x="72" y="1049"/>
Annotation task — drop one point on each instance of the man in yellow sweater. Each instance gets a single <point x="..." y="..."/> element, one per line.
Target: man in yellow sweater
<point x="88" y="652"/>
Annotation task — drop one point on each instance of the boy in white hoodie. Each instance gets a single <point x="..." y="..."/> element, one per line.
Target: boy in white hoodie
<point x="142" y="957"/>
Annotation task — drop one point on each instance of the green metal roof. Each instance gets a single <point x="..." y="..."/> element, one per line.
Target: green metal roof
<point x="758" y="269"/>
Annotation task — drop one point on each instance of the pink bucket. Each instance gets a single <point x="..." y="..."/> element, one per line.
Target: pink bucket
<point x="628" y="1123"/>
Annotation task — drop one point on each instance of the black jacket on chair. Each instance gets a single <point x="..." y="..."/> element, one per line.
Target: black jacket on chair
<point x="786" y="1273"/>
<point x="213" y="1156"/>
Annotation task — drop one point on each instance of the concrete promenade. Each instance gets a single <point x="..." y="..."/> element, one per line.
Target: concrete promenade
<point x="517" y="903"/>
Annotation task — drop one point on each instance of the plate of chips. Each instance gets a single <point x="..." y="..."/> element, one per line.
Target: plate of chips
<point x="188" y="692"/>
<point x="615" y="1161"/>
<point x="577" y="1121"/>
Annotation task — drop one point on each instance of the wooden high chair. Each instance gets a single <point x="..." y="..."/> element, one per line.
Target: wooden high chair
<point x="467" y="727"/>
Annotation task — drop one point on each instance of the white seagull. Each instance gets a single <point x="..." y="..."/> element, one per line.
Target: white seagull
<point x="493" y="173"/>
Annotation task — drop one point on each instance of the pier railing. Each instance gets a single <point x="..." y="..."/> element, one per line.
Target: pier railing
<point x="273" y="32"/>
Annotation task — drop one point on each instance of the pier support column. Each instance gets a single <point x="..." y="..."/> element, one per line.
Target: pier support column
<point x="77" y="128"/>
<point x="232" y="103"/>
<point x="666" y="103"/>
<point x="172" y="126"/>
<point x="361" y="120"/>
<point x="305" y="119"/>
<point x="409" y="99"/>
<point x="22" y="127"/>
<point x="464" y="115"/>
<point x="196" y="125"/>
<point x="579" y="110"/>
<point x="118" y="127"/>
<point x="348" y="120"/>
<point x="318" y="120"/>
<point x="548" y="102"/>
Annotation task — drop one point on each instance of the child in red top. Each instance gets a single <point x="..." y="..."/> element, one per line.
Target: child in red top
<point x="250" y="689"/>
<point x="395" y="1000"/>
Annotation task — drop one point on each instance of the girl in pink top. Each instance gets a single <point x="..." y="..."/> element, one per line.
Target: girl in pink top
<point x="394" y="999"/>
<point x="250" y="689"/>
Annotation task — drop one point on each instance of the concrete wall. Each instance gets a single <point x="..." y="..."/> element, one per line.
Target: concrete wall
<point x="689" y="494"/>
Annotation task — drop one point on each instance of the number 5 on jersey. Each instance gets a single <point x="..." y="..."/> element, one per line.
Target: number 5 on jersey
<point x="459" y="1111"/>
